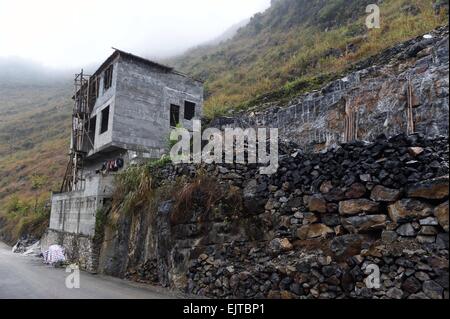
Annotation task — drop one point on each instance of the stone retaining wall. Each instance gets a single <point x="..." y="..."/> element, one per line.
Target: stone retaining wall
<point x="312" y="230"/>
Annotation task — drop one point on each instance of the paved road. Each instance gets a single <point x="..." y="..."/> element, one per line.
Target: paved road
<point x="27" y="277"/>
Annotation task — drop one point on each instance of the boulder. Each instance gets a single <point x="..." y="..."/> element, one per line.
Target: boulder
<point x="314" y="231"/>
<point x="406" y="230"/>
<point x="426" y="239"/>
<point x="394" y="293"/>
<point x="279" y="245"/>
<point x="432" y="289"/>
<point x="326" y="187"/>
<point x="412" y="285"/>
<point x="441" y="212"/>
<point x="365" y="178"/>
<point x="388" y="237"/>
<point x="436" y="188"/>
<point x="355" y="191"/>
<point x="335" y="195"/>
<point x="310" y="218"/>
<point x="415" y="151"/>
<point x="428" y="231"/>
<point x="362" y="224"/>
<point x="331" y="220"/>
<point x="357" y="206"/>
<point x="346" y="245"/>
<point x="429" y="221"/>
<point x="407" y="210"/>
<point x="317" y="203"/>
<point x="384" y="194"/>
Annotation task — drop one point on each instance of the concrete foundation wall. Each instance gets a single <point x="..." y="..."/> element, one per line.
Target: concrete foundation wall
<point x="75" y="212"/>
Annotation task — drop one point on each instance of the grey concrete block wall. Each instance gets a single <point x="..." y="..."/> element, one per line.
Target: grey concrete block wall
<point x="75" y="212"/>
<point x="105" y="98"/>
<point x="143" y="97"/>
<point x="139" y="106"/>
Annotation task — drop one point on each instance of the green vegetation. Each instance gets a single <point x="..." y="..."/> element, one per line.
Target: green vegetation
<point x="299" y="45"/>
<point x="23" y="216"/>
<point x="101" y="220"/>
<point x="138" y="188"/>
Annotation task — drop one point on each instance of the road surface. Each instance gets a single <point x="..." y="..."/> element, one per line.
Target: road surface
<point x="27" y="277"/>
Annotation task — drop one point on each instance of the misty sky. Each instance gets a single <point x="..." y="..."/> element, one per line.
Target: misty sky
<point x="69" y="34"/>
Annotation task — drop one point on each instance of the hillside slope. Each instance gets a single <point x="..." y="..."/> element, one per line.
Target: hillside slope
<point x="34" y="130"/>
<point x="298" y="45"/>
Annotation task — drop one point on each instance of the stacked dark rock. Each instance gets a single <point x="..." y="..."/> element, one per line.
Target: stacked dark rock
<point x="319" y="226"/>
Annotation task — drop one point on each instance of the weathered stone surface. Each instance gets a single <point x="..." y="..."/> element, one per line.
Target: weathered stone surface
<point x="365" y="177"/>
<point x="361" y="224"/>
<point x="355" y="191"/>
<point x="274" y="295"/>
<point x="442" y="214"/>
<point x="286" y="295"/>
<point x="331" y="220"/>
<point x="310" y="218"/>
<point x="389" y="237"/>
<point x="326" y="187"/>
<point x="279" y="245"/>
<point x="415" y="151"/>
<point x="317" y="203"/>
<point x="418" y="296"/>
<point x="429" y="221"/>
<point x="332" y="208"/>
<point x="357" y="206"/>
<point x="346" y="245"/>
<point x="314" y="231"/>
<point x="426" y="239"/>
<point x="407" y="210"/>
<point x="384" y="194"/>
<point x="432" y="289"/>
<point x="394" y="293"/>
<point x="406" y="230"/>
<point x="411" y="285"/>
<point x="335" y="195"/>
<point x="431" y="189"/>
<point x="428" y="231"/>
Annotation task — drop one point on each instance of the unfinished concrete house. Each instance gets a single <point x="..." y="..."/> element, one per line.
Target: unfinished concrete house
<point x="123" y="113"/>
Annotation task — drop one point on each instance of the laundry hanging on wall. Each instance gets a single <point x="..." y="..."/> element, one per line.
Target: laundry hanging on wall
<point x="111" y="166"/>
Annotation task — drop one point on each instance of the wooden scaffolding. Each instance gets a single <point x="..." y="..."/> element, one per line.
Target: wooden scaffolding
<point x="85" y="89"/>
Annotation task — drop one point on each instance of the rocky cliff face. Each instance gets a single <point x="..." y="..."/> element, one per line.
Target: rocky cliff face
<point x="403" y="89"/>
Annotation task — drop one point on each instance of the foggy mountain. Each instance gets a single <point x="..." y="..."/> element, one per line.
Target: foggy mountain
<point x="17" y="71"/>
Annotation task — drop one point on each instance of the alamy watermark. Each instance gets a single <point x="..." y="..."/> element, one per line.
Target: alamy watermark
<point x="373" y="19"/>
<point x="233" y="145"/>
<point x="373" y="279"/>
<point x="73" y="279"/>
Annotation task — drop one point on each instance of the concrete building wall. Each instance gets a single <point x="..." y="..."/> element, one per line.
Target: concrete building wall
<point x="142" y="109"/>
<point x="105" y="98"/>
